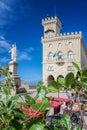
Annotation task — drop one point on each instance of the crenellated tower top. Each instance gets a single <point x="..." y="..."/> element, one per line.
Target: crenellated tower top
<point x="52" y="26"/>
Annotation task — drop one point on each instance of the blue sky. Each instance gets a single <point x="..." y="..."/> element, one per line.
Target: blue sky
<point x="20" y="22"/>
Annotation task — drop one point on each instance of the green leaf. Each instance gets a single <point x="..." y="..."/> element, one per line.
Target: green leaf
<point x="51" y="89"/>
<point x="54" y="83"/>
<point x="10" y="104"/>
<point x="61" y="81"/>
<point x="42" y="93"/>
<point x="5" y="90"/>
<point x="35" y="121"/>
<point x="22" y="104"/>
<point x="9" y="128"/>
<point x="36" y="96"/>
<point x="42" y="106"/>
<point x="65" y="121"/>
<point x="54" y="87"/>
<point x="29" y="99"/>
<point x="37" y="127"/>
<point x="76" y="66"/>
<point x="39" y="86"/>
<point x="84" y="73"/>
<point x="78" y="128"/>
<point x="18" y="113"/>
<point x="15" y="97"/>
<point x="69" y="79"/>
<point x="84" y="84"/>
<point x="1" y="111"/>
<point x="16" y="124"/>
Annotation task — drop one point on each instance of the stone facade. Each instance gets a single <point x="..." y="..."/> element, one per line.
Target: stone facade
<point x="59" y="50"/>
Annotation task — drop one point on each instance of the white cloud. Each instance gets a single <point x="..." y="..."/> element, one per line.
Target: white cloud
<point x="30" y="49"/>
<point x="4" y="44"/>
<point x="4" y="48"/>
<point x="2" y="38"/>
<point x="5" y="12"/>
<point x="10" y="10"/>
<point x="4" y="60"/>
<point x="24" y="56"/>
<point x="4" y="6"/>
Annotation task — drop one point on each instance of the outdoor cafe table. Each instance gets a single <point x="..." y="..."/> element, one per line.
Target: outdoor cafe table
<point x="56" y="106"/>
<point x="53" y="104"/>
<point x="59" y="99"/>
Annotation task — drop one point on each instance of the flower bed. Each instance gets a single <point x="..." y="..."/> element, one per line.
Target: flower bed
<point x="31" y="112"/>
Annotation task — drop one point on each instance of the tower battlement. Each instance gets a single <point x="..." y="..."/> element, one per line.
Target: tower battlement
<point x="65" y="35"/>
<point x="71" y="33"/>
<point x="52" y="24"/>
<point x="51" y="19"/>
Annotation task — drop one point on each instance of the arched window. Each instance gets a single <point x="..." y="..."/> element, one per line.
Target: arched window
<point x="70" y="54"/>
<point x="50" y="56"/>
<point x="50" y="68"/>
<point x="59" y="55"/>
<point x="59" y="44"/>
<point x="49" y="79"/>
<point x="70" y="43"/>
<point x="50" y="45"/>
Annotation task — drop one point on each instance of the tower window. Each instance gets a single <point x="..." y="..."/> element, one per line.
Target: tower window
<point x="70" y="68"/>
<point x="50" y="56"/>
<point x="70" y="54"/>
<point x="59" y="44"/>
<point x="50" y="45"/>
<point x="70" y="43"/>
<point x="59" y="55"/>
<point x="50" y="68"/>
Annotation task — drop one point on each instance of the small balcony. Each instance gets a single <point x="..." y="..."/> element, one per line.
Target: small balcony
<point x="60" y="61"/>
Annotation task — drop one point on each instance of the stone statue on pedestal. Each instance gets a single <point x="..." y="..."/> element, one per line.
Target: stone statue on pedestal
<point x="13" y="51"/>
<point x="13" y="65"/>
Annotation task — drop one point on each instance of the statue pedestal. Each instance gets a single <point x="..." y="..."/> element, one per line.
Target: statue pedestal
<point x="13" y="69"/>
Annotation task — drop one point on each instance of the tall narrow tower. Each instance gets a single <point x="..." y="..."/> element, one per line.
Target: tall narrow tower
<point x="51" y="26"/>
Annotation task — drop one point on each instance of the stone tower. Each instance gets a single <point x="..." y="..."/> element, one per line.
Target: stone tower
<point x="51" y="26"/>
<point x="59" y="50"/>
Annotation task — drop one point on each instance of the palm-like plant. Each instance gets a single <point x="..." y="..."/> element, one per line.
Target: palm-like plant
<point x="8" y="81"/>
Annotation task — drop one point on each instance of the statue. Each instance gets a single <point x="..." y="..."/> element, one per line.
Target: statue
<point x="13" y="52"/>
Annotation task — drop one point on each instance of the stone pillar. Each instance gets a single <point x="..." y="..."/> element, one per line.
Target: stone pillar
<point x="13" y="69"/>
